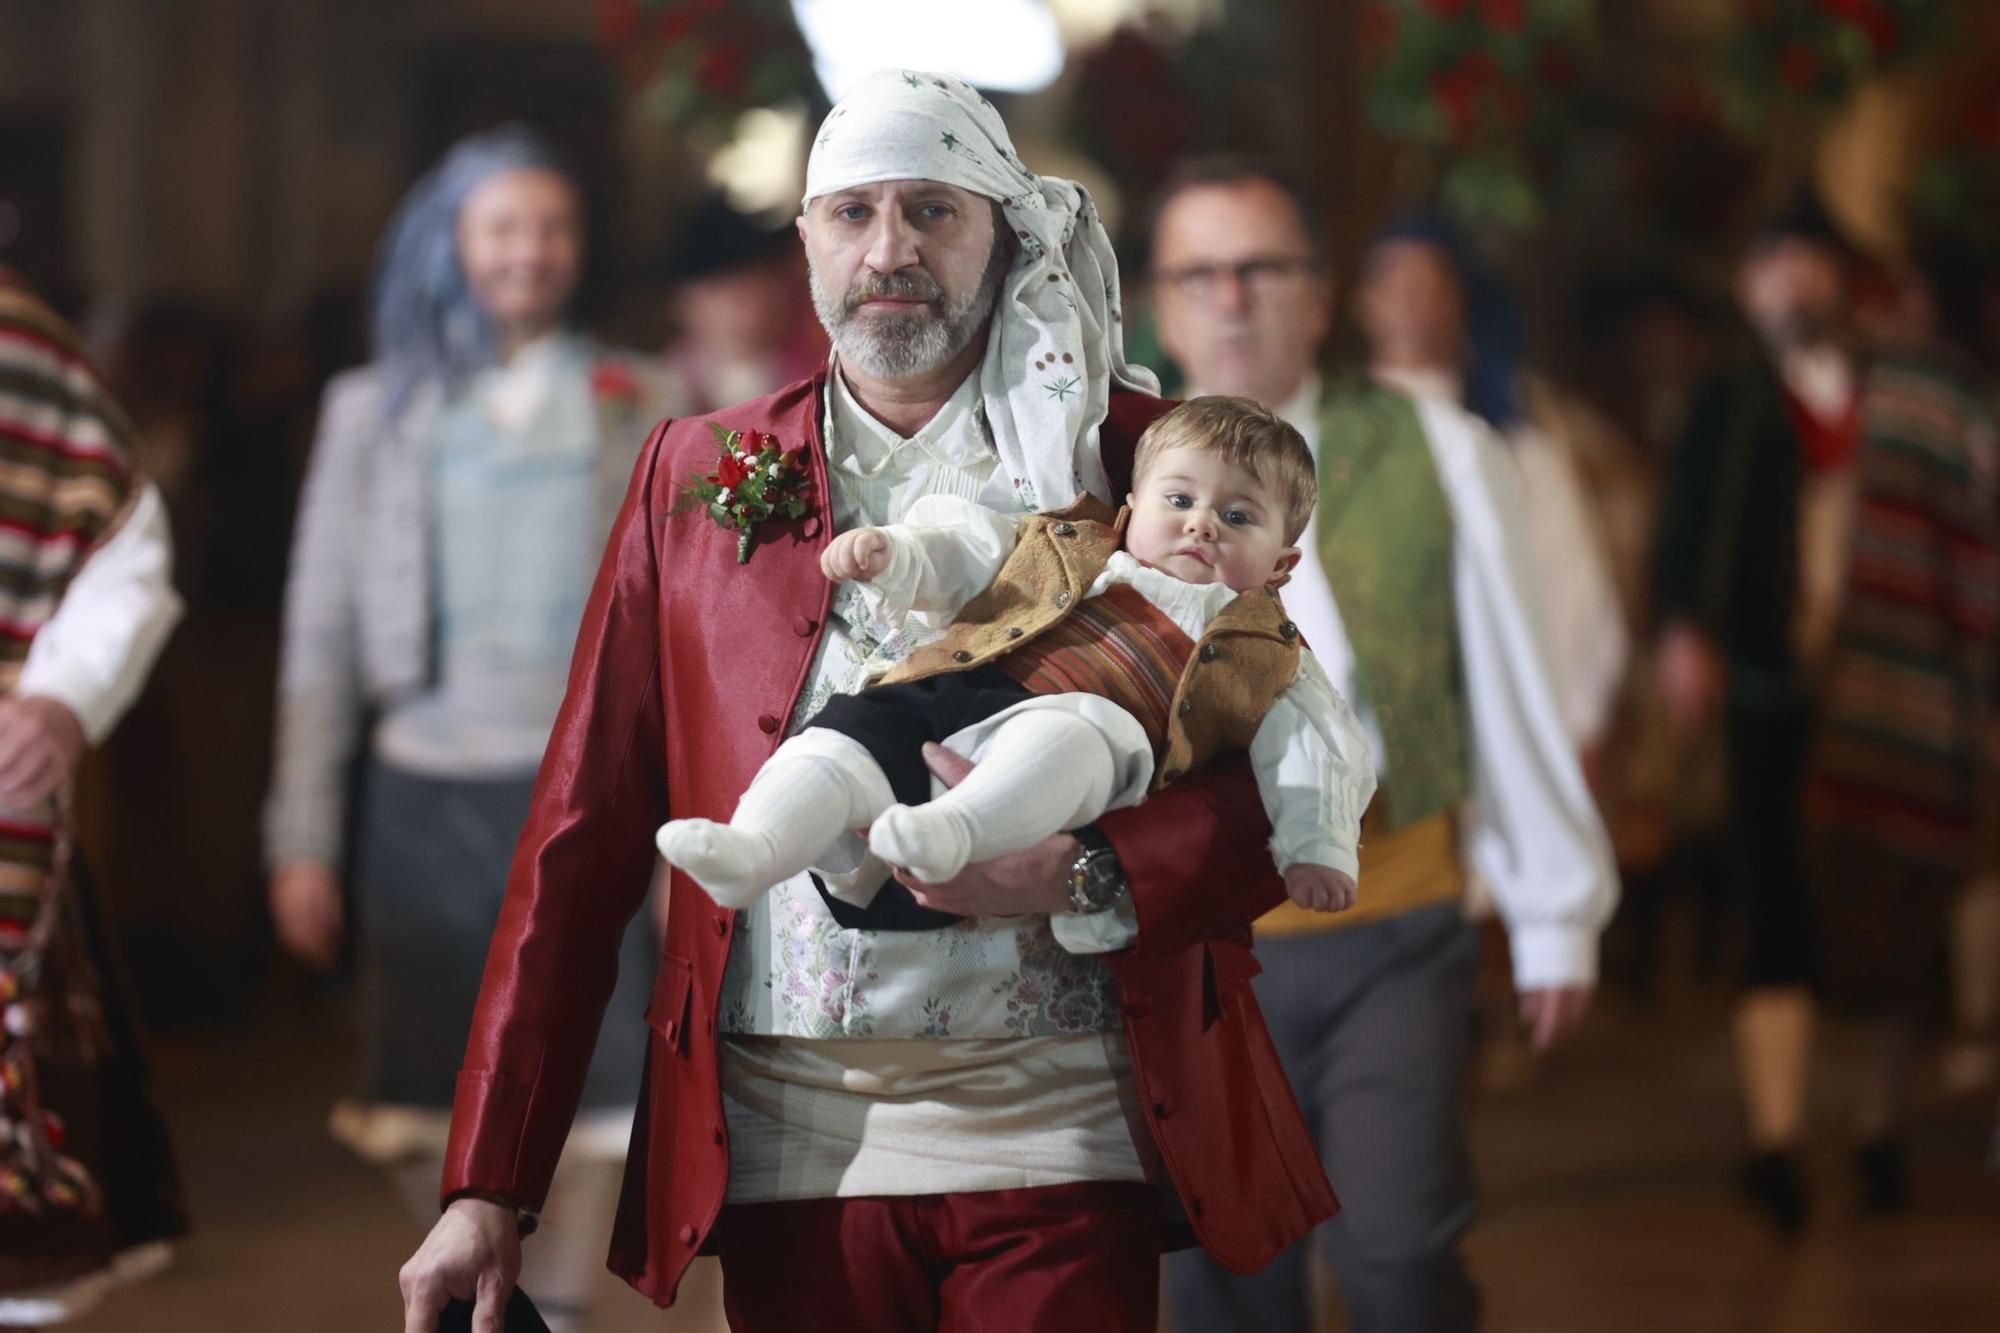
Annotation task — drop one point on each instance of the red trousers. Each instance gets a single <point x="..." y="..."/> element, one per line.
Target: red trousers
<point x="1062" y="1257"/>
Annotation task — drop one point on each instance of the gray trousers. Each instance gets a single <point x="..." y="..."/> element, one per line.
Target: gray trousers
<point x="1374" y="1026"/>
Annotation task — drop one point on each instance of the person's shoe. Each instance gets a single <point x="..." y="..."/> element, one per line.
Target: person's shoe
<point x="1882" y="1168"/>
<point x="1774" y="1187"/>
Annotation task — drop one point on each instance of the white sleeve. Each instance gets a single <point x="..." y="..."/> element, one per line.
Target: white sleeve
<point x="94" y="654"/>
<point x="945" y="553"/>
<point x="1096" y="932"/>
<point x="1315" y="773"/>
<point x="1534" y="834"/>
<point x="1583" y="619"/>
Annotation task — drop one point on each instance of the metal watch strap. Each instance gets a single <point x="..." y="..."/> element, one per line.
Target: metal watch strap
<point x="1096" y="879"/>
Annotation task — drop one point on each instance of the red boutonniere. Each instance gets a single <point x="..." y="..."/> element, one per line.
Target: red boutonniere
<point x="754" y="480"/>
<point x="610" y="380"/>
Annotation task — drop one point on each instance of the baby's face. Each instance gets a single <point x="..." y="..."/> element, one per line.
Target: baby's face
<point x="1203" y="519"/>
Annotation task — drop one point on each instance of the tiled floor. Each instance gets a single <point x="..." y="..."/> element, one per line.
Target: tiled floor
<point x="1607" y="1202"/>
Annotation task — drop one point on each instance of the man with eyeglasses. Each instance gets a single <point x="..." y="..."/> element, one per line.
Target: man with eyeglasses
<point x="1417" y="605"/>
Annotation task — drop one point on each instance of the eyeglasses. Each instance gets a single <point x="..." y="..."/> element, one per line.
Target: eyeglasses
<point x="1264" y="276"/>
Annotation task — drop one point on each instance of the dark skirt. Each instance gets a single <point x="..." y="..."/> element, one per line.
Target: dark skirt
<point x="431" y="870"/>
<point x="1884" y="929"/>
<point x="91" y="1072"/>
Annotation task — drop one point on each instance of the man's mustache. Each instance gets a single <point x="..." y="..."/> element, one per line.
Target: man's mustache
<point x="905" y="285"/>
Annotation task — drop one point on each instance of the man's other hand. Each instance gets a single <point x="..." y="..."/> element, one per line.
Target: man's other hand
<point x="1035" y="879"/>
<point x="472" y="1254"/>
<point x="40" y="744"/>
<point x="307" y="912"/>
<point x="1554" y="1013"/>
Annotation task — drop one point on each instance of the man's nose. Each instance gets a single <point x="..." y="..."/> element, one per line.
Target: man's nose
<point x="1232" y="293"/>
<point x="892" y="243"/>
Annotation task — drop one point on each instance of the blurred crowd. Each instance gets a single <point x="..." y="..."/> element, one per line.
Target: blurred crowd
<point x="1764" y="525"/>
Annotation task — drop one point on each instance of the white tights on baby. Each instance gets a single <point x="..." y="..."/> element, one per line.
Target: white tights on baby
<point x="811" y="791"/>
<point x="1043" y="771"/>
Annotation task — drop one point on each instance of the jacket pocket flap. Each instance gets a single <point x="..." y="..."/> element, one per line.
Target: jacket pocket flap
<point x="667" y="1013"/>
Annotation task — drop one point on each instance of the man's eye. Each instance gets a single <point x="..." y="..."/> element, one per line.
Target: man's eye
<point x="850" y="212"/>
<point x="934" y="212"/>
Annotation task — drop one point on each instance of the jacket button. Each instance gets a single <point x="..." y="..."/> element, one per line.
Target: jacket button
<point x="1173" y="775"/>
<point x="802" y="626"/>
<point x="961" y="656"/>
<point x="1194" y="1206"/>
<point x="687" y="1234"/>
<point x="1015" y="631"/>
<point x="810" y="528"/>
<point x="1289" y="630"/>
<point x="1209" y="652"/>
<point x="1064" y="530"/>
<point x="1163" y="1108"/>
<point x="1187" y="706"/>
<point x="768" y="724"/>
<point x="1062" y="598"/>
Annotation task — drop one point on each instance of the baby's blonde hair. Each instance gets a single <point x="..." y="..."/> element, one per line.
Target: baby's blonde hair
<point x="1248" y="435"/>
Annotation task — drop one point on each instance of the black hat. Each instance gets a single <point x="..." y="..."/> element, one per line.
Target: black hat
<point x="717" y="238"/>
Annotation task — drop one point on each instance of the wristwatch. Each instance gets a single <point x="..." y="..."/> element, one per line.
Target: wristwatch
<point x="1096" y="878"/>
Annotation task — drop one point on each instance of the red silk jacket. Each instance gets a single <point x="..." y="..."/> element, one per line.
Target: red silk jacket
<point x="684" y="677"/>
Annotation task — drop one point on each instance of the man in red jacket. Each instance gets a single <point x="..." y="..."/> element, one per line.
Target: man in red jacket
<point x="882" y="1120"/>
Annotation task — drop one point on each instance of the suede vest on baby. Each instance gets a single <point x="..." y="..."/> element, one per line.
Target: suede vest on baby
<point x="1243" y="661"/>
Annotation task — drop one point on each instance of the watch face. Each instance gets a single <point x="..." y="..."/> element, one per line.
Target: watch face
<point x="1096" y="882"/>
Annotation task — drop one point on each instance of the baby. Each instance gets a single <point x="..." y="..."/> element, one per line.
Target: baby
<point x="1085" y="659"/>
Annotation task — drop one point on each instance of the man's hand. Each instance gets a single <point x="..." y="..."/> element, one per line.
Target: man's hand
<point x="472" y="1254"/>
<point x="1554" y="1013"/>
<point x="857" y="556"/>
<point x="306" y="909"/>
<point x="1035" y="879"/>
<point x="1690" y="676"/>
<point x="40" y="744"/>
<point x="1319" y="888"/>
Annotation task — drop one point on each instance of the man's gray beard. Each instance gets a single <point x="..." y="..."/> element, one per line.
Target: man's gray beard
<point x="902" y="346"/>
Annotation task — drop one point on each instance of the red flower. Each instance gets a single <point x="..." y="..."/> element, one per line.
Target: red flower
<point x="1556" y="65"/>
<point x="1449" y="9"/>
<point x="1506" y="15"/>
<point x="1479" y="67"/>
<point x="609" y="379"/>
<point x="617" y="20"/>
<point x="1798" y="66"/>
<point x="1881" y="28"/>
<point x="755" y="442"/>
<point x="1380" y="26"/>
<point x="1455" y="93"/>
<point x="719" y="71"/>
<point x="730" y="472"/>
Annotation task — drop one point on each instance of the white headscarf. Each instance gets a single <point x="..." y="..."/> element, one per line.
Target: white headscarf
<point x="1057" y="345"/>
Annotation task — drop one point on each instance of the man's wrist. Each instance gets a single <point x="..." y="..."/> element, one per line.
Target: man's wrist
<point x="1096" y="877"/>
<point x="525" y="1221"/>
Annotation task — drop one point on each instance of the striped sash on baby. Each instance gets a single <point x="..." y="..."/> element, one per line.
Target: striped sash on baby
<point x="1117" y="645"/>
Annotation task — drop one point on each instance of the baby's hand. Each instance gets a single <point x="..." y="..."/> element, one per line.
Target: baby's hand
<point x="859" y="556"/>
<point x="1320" y="888"/>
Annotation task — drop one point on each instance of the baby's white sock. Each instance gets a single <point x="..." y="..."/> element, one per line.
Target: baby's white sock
<point x="816" y="787"/>
<point x="1043" y="771"/>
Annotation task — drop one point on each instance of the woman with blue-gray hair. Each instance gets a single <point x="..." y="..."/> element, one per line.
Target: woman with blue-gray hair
<point x="458" y="498"/>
